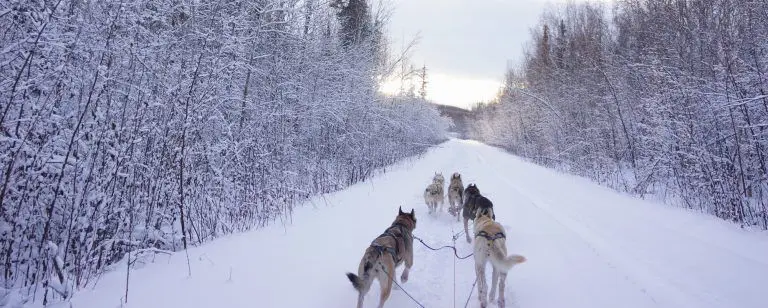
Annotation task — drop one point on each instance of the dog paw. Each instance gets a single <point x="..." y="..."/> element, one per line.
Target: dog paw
<point x="501" y="302"/>
<point x="469" y="240"/>
<point x="404" y="277"/>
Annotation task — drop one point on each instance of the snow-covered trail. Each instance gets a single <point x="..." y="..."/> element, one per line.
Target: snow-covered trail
<point x="587" y="246"/>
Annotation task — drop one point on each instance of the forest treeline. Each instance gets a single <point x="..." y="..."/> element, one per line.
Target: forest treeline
<point x="138" y="126"/>
<point x="663" y="98"/>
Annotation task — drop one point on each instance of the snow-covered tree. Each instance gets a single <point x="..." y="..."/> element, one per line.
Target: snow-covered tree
<point x="665" y="98"/>
<point x="132" y="127"/>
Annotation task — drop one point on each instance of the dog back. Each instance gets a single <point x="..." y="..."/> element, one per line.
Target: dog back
<point x="456" y="186"/>
<point x="396" y="239"/>
<point x="434" y="189"/>
<point x="489" y="227"/>
<point x="475" y="203"/>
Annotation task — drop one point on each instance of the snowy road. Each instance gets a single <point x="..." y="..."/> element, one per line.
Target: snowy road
<point x="587" y="246"/>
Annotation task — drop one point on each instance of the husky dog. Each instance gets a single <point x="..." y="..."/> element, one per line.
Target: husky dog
<point x="490" y="244"/>
<point x="438" y="178"/>
<point x="384" y="255"/>
<point x="455" y="195"/>
<point x="434" y="193"/>
<point x="473" y="202"/>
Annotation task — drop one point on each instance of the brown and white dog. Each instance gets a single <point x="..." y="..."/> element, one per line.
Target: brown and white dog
<point x="490" y="244"/>
<point x="384" y="255"/>
<point x="455" y="195"/>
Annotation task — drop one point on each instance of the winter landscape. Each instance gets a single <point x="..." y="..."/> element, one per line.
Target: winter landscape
<point x="249" y="153"/>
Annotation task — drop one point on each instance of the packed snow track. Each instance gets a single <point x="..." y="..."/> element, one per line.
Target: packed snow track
<point x="587" y="246"/>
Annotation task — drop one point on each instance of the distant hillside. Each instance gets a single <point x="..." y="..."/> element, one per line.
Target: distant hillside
<point x="460" y="117"/>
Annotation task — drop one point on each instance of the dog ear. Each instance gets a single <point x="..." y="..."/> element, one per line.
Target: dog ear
<point x="400" y="210"/>
<point x="413" y="213"/>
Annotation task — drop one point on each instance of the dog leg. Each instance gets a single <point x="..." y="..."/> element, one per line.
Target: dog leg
<point x="456" y="210"/>
<point x="482" y="287"/>
<point x="385" y="281"/>
<point x="362" y="282"/>
<point x="466" y="230"/>
<point x="494" y="281"/>
<point x="364" y="290"/>
<point x="502" y="284"/>
<point x="408" y="264"/>
<point x="360" y="297"/>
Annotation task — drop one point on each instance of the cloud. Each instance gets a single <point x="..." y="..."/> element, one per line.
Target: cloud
<point x="461" y="91"/>
<point x="465" y="44"/>
<point x="454" y="90"/>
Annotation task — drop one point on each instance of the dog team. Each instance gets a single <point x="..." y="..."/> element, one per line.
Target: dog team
<point x="395" y="246"/>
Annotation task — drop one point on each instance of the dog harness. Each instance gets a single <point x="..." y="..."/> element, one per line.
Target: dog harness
<point x="392" y="250"/>
<point x="488" y="237"/>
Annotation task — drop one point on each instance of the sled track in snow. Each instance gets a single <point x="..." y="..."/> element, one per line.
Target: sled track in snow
<point x="587" y="246"/>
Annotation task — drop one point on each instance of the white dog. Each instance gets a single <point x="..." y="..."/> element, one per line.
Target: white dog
<point x="490" y="244"/>
<point x="434" y="194"/>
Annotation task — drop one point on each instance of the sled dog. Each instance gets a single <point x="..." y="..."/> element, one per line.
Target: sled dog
<point x="384" y="255"/>
<point x="438" y="178"/>
<point x="490" y="244"/>
<point x="434" y="193"/>
<point x="455" y="195"/>
<point x="473" y="202"/>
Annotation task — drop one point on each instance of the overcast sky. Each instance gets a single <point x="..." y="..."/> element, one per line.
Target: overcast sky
<point x="465" y="44"/>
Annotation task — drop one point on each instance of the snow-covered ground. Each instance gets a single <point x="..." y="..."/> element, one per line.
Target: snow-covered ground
<point x="587" y="246"/>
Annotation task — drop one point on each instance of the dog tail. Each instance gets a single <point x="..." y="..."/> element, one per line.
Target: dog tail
<point x="356" y="281"/>
<point x="505" y="262"/>
<point x="360" y="282"/>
